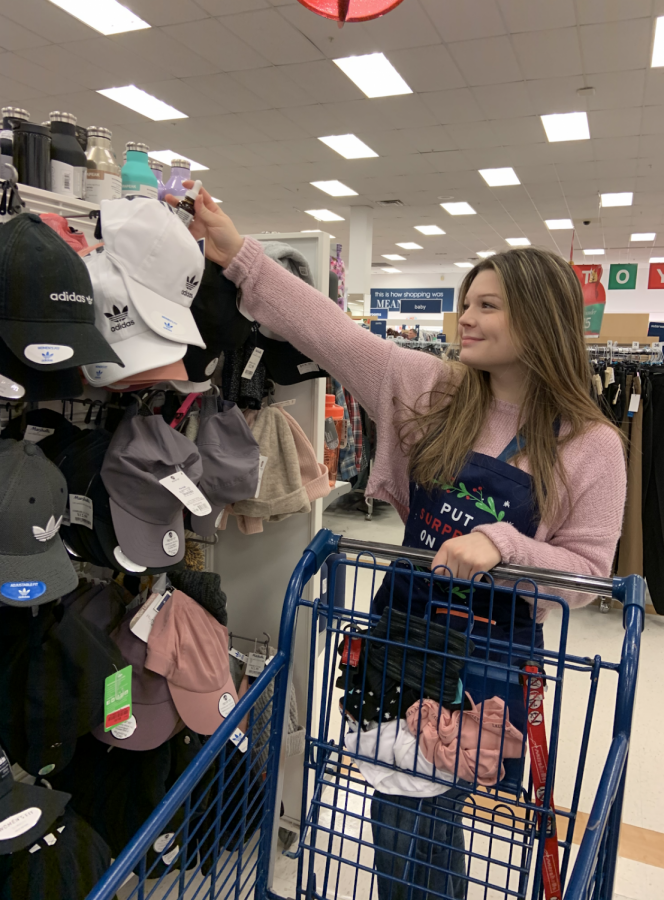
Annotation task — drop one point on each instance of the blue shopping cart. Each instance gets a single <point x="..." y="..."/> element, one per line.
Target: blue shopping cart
<point x="475" y="825"/>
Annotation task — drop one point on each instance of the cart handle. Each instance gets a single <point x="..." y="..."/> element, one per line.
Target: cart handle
<point x="629" y="590"/>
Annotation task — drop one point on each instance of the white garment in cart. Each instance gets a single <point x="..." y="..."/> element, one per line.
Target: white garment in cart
<point x="396" y="747"/>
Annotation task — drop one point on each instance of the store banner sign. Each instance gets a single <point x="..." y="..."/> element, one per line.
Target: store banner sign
<point x="656" y="329"/>
<point x="379" y="328"/>
<point x="413" y="300"/>
<point x="594" y="297"/>
<point x="622" y="277"/>
<point x="379" y="313"/>
<point x="656" y="277"/>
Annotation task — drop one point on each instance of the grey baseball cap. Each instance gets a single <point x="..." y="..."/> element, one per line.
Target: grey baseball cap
<point x="147" y="517"/>
<point x="230" y="456"/>
<point x="34" y="565"/>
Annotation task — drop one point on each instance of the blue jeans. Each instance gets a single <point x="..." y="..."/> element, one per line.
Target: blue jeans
<point x="419" y="850"/>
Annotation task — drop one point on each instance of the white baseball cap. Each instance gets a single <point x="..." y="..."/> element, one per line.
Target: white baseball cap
<point x="160" y="261"/>
<point x="117" y="318"/>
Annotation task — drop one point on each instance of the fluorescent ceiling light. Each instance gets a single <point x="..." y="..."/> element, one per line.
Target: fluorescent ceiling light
<point x="390" y="270"/>
<point x="334" y="188"/>
<point x="106" y="16"/>
<point x="349" y="146"/>
<point x="316" y="231"/>
<point x="558" y="224"/>
<point x="324" y="215"/>
<point x="459" y="209"/>
<point x="518" y="242"/>
<point x="658" y="45"/>
<point x="217" y="200"/>
<point x="566" y="126"/>
<point x="643" y="236"/>
<point x="624" y="199"/>
<point x="143" y="103"/>
<point x="464" y="265"/>
<point x="656" y="259"/>
<point x="597" y="252"/>
<point x="499" y="177"/>
<point x="374" y="74"/>
<point x="394" y="256"/>
<point x="409" y="245"/>
<point x="486" y="253"/>
<point x="167" y="157"/>
<point x="429" y="229"/>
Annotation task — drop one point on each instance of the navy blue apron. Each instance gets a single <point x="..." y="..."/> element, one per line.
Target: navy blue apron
<point x="487" y="490"/>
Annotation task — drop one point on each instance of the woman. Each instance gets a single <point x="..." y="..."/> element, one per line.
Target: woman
<point x="502" y="457"/>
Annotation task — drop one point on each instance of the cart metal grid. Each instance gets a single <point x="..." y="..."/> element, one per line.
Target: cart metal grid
<point x="476" y="840"/>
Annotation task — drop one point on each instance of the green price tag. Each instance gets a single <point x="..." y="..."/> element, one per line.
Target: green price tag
<point x="117" y="698"/>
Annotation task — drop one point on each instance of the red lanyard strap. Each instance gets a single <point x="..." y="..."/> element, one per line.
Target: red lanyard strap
<point x="184" y="409"/>
<point x="533" y="695"/>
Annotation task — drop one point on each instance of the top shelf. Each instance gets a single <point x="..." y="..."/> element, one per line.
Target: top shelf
<point x="39" y="201"/>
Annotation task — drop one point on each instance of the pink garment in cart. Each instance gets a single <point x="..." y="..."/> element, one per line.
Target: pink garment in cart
<point x="483" y="728"/>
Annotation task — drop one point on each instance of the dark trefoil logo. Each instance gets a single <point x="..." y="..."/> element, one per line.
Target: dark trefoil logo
<point x="119" y="318"/>
<point x="191" y="284"/>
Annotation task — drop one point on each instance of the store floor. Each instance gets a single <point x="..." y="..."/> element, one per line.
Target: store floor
<point x="640" y="870"/>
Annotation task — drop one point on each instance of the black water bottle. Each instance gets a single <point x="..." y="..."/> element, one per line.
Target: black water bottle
<point x="68" y="163"/>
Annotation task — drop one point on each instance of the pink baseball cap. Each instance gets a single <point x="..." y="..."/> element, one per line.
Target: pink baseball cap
<point x="189" y="647"/>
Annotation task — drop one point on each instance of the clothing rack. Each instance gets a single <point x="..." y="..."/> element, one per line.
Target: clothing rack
<point x="614" y="352"/>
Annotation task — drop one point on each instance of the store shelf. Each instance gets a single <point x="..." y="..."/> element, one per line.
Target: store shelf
<point x="46" y="201"/>
<point x="340" y="488"/>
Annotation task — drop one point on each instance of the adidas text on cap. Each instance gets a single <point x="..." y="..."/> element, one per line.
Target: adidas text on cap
<point x="46" y="304"/>
<point x="160" y="261"/>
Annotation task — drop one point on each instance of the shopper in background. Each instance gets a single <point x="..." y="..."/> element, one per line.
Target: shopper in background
<point x="501" y="457"/>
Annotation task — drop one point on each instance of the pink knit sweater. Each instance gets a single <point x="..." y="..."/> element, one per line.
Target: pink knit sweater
<point x="583" y="536"/>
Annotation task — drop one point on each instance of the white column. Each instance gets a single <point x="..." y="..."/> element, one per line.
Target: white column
<point x="358" y="277"/>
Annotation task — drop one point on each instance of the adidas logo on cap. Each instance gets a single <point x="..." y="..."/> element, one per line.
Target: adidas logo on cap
<point x="119" y="318"/>
<point x="72" y="298"/>
<point x="191" y="284"/>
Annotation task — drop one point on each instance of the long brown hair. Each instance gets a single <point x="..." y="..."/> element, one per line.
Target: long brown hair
<point x="544" y="306"/>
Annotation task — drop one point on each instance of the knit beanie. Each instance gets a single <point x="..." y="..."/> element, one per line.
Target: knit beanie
<point x="205" y="589"/>
<point x="290" y="258"/>
<point x="315" y="476"/>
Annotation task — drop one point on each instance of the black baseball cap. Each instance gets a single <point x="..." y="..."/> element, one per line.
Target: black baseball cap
<point x="46" y="427"/>
<point x="46" y="299"/>
<point x="221" y="324"/>
<point x="26" y="811"/>
<point x="38" y="384"/>
<point x="285" y="364"/>
<point x="34" y="565"/>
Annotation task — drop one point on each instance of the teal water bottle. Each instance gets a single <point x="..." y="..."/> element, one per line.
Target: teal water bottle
<point x="138" y="179"/>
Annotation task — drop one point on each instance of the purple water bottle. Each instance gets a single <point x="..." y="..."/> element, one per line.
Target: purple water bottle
<point x="157" y="169"/>
<point x="180" y="172"/>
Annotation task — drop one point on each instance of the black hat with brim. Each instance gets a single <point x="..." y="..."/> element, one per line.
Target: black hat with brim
<point x="40" y="384"/>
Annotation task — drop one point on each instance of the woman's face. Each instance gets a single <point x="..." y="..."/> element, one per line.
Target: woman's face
<point x="486" y="342"/>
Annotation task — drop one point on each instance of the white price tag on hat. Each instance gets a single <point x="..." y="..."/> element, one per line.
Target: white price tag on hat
<point x="255" y="665"/>
<point x="262" y="462"/>
<point x="141" y="624"/>
<point x="36" y="433"/>
<point x="240" y="740"/>
<point x="186" y="491"/>
<point x="252" y="364"/>
<point x="81" y="510"/>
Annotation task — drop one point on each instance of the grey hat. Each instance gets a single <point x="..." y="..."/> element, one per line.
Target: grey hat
<point x="146" y="516"/>
<point x="34" y="566"/>
<point x="290" y="259"/>
<point x="230" y="455"/>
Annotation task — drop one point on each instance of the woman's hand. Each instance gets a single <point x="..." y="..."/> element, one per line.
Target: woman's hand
<point x="466" y="555"/>
<point x="222" y="240"/>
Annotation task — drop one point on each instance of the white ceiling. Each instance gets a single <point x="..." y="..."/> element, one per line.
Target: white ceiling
<point x="256" y="79"/>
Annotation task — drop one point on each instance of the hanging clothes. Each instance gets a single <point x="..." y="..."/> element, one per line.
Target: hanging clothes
<point x="355" y="417"/>
<point x="347" y="469"/>
<point x="630" y="548"/>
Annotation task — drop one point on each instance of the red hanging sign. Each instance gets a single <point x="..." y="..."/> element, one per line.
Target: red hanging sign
<point x="594" y="297"/>
<point x="350" y="10"/>
<point x="656" y="277"/>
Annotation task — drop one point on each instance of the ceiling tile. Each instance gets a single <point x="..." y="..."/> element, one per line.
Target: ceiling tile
<point x="555" y="95"/>
<point x="274" y="86"/>
<point x="46" y="20"/>
<point x="323" y="81"/>
<point x="211" y="40"/>
<point x="13" y="92"/>
<point x="616" y="168"/>
<point x="332" y="41"/>
<point x="407" y="111"/>
<point x="232" y="129"/>
<point x="236" y="97"/>
<point x="524" y="130"/>
<point x="616" y="46"/>
<point x="449" y="161"/>
<point x="182" y="96"/>
<point x="155" y="45"/>
<point x="124" y="67"/>
<point x="356" y="115"/>
<point x="406" y="26"/>
<point x="472" y="134"/>
<point x="453" y="106"/>
<point x="167" y="12"/>
<point x="654" y="90"/>
<point x="616" y="147"/>
<point x="27" y="72"/>
<point x="524" y="15"/>
<point x="617" y="89"/>
<point x="56" y="59"/>
<point x="615" y="122"/>
<point x="548" y="54"/>
<point x="504" y="100"/>
<point x="598" y="11"/>
<point x="15" y="37"/>
<point x="428" y="68"/>
<point x="275" y="125"/>
<point x="428" y="140"/>
<point x="465" y="20"/>
<point x="272" y="36"/>
<point x="242" y="154"/>
<point x="228" y="7"/>
<point x="317" y="121"/>
<point x="653" y="120"/>
<point x="486" y="61"/>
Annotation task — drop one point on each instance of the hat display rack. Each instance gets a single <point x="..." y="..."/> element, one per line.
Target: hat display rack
<point x="255" y="569"/>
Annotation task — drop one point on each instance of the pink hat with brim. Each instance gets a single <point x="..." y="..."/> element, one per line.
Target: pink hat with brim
<point x="189" y="647"/>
